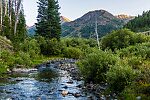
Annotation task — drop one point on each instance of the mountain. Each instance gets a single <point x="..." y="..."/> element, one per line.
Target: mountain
<point x="5" y="44"/>
<point x="125" y="18"/>
<point x="85" y="25"/>
<point x="31" y="29"/>
<point x="141" y="23"/>
<point x="64" y="20"/>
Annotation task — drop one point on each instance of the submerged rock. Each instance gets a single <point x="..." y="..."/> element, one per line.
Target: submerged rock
<point x="64" y="93"/>
<point x="76" y="95"/>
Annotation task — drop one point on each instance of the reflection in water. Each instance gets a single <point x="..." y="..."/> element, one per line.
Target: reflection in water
<point x="44" y="85"/>
<point x="46" y="75"/>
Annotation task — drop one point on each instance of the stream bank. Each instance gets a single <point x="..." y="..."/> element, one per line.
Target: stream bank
<point x="54" y="80"/>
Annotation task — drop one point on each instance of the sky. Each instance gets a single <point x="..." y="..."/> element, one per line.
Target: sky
<point x="74" y="9"/>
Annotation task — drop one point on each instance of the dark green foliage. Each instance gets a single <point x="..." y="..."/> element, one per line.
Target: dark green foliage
<point x="3" y="68"/>
<point x="139" y="50"/>
<point x="8" y="23"/>
<point x="119" y="76"/>
<point x="21" y="28"/>
<point x="31" y="47"/>
<point x="72" y="52"/>
<point x="79" y="42"/>
<point x="120" y="39"/>
<point x="6" y="27"/>
<point x="95" y="65"/>
<point x="48" y="20"/>
<point x="65" y="27"/>
<point x="7" y="58"/>
<point x="140" y="23"/>
<point x="50" y="47"/>
<point x="23" y="59"/>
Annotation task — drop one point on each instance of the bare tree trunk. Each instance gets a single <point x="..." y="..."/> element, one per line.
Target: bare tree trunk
<point x="17" y="11"/>
<point x="6" y="7"/>
<point x="1" y="15"/>
<point x="97" y="35"/>
<point x="10" y="11"/>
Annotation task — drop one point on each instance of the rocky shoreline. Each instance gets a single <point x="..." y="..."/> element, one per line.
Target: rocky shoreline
<point x="70" y="66"/>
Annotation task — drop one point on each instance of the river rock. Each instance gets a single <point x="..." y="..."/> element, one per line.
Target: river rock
<point x="76" y="95"/>
<point x="64" y="93"/>
<point x="70" y="82"/>
<point x="65" y="87"/>
<point x="138" y="98"/>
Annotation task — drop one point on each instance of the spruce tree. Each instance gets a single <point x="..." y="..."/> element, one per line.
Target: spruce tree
<point x="21" y="32"/>
<point x="48" y="19"/>
<point x="6" y="27"/>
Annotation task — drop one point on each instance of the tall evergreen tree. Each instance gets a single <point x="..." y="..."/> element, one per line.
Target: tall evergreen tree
<point x="12" y="21"/>
<point x="21" y="27"/>
<point x="48" y="19"/>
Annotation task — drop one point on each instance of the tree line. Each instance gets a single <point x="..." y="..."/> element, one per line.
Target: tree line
<point x="140" y="23"/>
<point x="12" y="21"/>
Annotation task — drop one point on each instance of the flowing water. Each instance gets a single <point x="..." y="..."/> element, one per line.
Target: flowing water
<point x="47" y="84"/>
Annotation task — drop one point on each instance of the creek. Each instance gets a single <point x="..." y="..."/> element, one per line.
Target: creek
<point x="50" y="81"/>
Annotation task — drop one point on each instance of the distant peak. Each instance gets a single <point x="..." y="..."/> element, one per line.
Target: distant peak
<point x="65" y="19"/>
<point x="123" y="16"/>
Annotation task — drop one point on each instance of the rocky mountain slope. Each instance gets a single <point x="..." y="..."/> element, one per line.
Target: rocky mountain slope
<point x="125" y="18"/>
<point x="31" y="29"/>
<point x="85" y="25"/>
<point x="5" y="44"/>
<point x="64" y="20"/>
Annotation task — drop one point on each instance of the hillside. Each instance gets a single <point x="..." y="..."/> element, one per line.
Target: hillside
<point x="64" y="20"/>
<point x="5" y="44"/>
<point x="31" y="29"/>
<point x="125" y="18"/>
<point x="141" y="23"/>
<point x="85" y="25"/>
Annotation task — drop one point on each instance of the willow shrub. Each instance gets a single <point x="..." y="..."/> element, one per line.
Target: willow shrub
<point x="30" y="46"/>
<point x="95" y="65"/>
<point x="72" y="52"/>
<point x="3" y="68"/>
<point x="7" y="58"/>
<point x="121" y="39"/>
<point x="139" y="50"/>
<point x="119" y="76"/>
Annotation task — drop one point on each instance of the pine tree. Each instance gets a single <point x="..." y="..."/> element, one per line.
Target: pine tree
<point x="21" y="27"/>
<point x="48" y="19"/>
<point x="6" y="27"/>
<point x="12" y="21"/>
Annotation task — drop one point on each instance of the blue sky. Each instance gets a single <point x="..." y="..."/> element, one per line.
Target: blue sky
<point x="73" y="9"/>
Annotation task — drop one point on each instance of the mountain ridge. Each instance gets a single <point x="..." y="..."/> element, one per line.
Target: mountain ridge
<point x="85" y="25"/>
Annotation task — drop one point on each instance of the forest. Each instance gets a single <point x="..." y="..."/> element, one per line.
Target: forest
<point x="123" y="60"/>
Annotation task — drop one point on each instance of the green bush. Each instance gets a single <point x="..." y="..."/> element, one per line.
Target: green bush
<point x="22" y="58"/>
<point x="119" y="76"/>
<point x="3" y="68"/>
<point x="30" y="46"/>
<point x="121" y="39"/>
<point x="72" y="52"/>
<point x="51" y="47"/>
<point x="139" y="50"/>
<point x="95" y="65"/>
<point x="7" y="58"/>
<point x="78" y="42"/>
